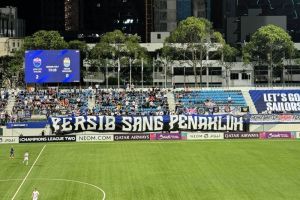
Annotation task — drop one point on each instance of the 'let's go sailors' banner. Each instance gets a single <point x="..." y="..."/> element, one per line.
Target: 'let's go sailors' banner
<point x="148" y="123"/>
<point x="276" y="100"/>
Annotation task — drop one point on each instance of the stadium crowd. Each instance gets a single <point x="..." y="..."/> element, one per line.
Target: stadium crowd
<point x="131" y="102"/>
<point x="52" y="102"/>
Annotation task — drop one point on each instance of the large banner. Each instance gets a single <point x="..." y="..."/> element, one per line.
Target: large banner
<point x="276" y="100"/>
<point x="63" y="125"/>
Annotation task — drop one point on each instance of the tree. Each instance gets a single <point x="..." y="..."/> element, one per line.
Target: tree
<point x="44" y="40"/>
<point x="196" y="36"/>
<point x="228" y="55"/>
<point x="116" y="49"/>
<point x="271" y="44"/>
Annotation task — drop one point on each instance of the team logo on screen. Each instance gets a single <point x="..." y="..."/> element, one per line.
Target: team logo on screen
<point x="67" y="62"/>
<point x="37" y="62"/>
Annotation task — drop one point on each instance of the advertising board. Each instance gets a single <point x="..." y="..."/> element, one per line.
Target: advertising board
<point x="94" y="138"/>
<point x="276" y="135"/>
<point x="9" y="139"/>
<point x="241" y="135"/>
<point x="124" y="137"/>
<point x="205" y="136"/>
<point x="32" y="139"/>
<point x="168" y="136"/>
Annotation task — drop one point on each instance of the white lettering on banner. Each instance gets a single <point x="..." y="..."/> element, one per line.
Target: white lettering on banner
<point x="137" y="124"/>
<point x="92" y="122"/>
<point x="127" y="123"/>
<point x="148" y="123"/>
<point x="79" y="121"/>
<point x="66" y="125"/>
<point x="192" y="122"/>
<point x="158" y="123"/>
<point x="280" y="102"/>
<point x="110" y="123"/>
<point x="55" y="121"/>
<point x="9" y="139"/>
<point x="205" y="136"/>
<point x="182" y="122"/>
<point x="94" y="138"/>
<point x="173" y="120"/>
<point x="202" y="123"/>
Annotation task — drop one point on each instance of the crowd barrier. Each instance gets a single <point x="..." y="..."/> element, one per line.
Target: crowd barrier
<point x="152" y="136"/>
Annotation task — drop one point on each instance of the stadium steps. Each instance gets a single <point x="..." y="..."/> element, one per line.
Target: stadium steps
<point x="10" y="104"/>
<point x="91" y="102"/>
<point x="171" y="101"/>
<point x="249" y="101"/>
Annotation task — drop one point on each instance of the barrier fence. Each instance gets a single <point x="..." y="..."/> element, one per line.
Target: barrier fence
<point x="152" y="136"/>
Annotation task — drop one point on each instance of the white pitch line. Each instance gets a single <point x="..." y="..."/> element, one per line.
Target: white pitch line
<point x="68" y="180"/>
<point x="28" y="173"/>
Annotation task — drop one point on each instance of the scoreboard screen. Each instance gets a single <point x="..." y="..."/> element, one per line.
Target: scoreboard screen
<point x="52" y="66"/>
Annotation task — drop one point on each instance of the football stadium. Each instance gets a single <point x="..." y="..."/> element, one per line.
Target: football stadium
<point x="149" y="100"/>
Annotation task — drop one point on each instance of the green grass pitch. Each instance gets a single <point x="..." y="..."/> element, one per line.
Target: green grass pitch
<point x="233" y="170"/>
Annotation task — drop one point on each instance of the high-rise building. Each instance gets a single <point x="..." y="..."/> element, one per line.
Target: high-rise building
<point x="287" y="9"/>
<point x="10" y="24"/>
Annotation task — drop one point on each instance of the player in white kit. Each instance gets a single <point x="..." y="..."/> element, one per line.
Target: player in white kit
<point x="26" y="157"/>
<point x="35" y="194"/>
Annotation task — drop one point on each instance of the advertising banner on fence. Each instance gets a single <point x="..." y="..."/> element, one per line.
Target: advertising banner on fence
<point x="241" y="135"/>
<point x="94" y="138"/>
<point x="275" y="118"/>
<point x="205" y="136"/>
<point x="30" y="139"/>
<point x="26" y="124"/>
<point x="276" y="100"/>
<point x="168" y="136"/>
<point x="148" y="123"/>
<point x="297" y="134"/>
<point x="276" y="135"/>
<point x="124" y="137"/>
<point x="9" y="139"/>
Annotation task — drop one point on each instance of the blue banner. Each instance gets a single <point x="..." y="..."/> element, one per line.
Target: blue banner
<point x="41" y="124"/>
<point x="149" y="123"/>
<point x="276" y="101"/>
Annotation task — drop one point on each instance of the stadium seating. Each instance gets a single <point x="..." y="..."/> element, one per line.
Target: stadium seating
<point x="203" y="101"/>
<point x="131" y="102"/>
<point x="52" y="102"/>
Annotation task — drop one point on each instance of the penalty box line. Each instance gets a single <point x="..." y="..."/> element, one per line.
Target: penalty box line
<point x="24" y="179"/>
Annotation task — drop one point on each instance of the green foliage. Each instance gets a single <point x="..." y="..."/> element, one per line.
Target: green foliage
<point x="191" y="30"/>
<point x="196" y="36"/>
<point x="81" y="46"/>
<point x="117" y="45"/>
<point x="269" y="43"/>
<point x="45" y="40"/>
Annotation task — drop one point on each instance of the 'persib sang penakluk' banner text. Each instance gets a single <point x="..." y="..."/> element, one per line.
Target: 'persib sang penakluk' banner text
<point x="148" y="123"/>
